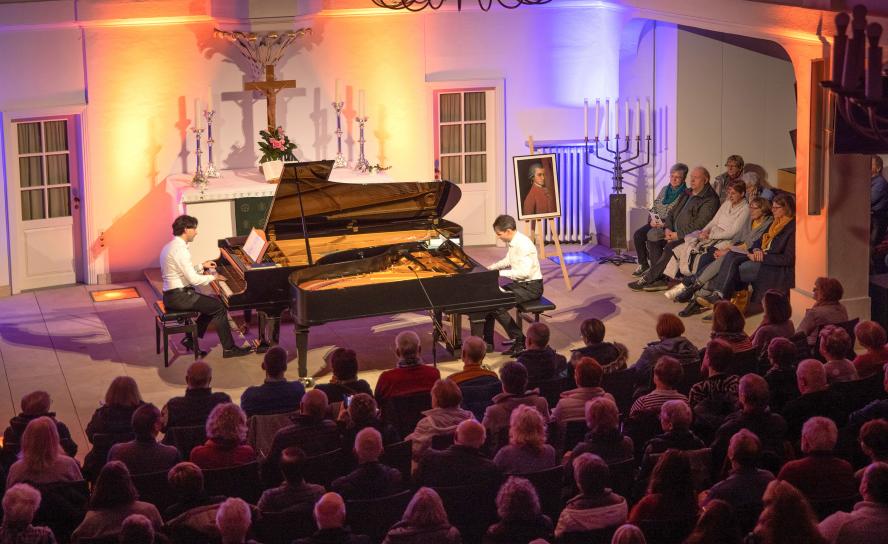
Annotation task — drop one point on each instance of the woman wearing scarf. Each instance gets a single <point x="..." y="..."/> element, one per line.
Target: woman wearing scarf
<point x="653" y="230"/>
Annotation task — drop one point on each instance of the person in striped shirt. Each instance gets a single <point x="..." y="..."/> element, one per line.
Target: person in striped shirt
<point x="667" y="376"/>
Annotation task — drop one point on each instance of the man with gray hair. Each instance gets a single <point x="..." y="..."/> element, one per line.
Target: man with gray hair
<point x="20" y="503"/>
<point x="329" y="514"/>
<point x="868" y="522"/>
<point x="755" y="415"/>
<point x="816" y="399"/>
<point x="137" y="529"/>
<point x="473" y="352"/>
<point x="233" y="519"/>
<point x="820" y="475"/>
<point x="371" y="479"/>
<point x="675" y="420"/>
<point x="410" y="376"/>
<point x="463" y="463"/>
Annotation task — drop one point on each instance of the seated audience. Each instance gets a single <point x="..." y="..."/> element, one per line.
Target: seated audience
<point x="35" y="404"/>
<point x="187" y="485"/>
<point x="541" y="361"/>
<point x="670" y="195"/>
<point x="226" y="437"/>
<point x="410" y="376"/>
<point x="114" y="417"/>
<point x="276" y="395"/>
<point x="363" y="412"/>
<point x="675" y="420"/>
<point x="309" y="431"/>
<point x="777" y="320"/>
<point x="728" y="324"/>
<point x="527" y="450"/>
<point x="463" y="463"/>
<point x="717" y="524"/>
<point x="877" y="409"/>
<point x="781" y="376"/>
<point x="745" y="484"/>
<point x="371" y="479"/>
<point x="605" y="353"/>
<point x="424" y="522"/>
<point x="345" y="381"/>
<point x="521" y="520"/>
<point x="144" y="454"/>
<point x="137" y="529"/>
<point x="820" y="475"/>
<point x="442" y="419"/>
<point x="873" y="438"/>
<point x="329" y="514"/>
<point x="878" y="201"/>
<point x="872" y="338"/>
<point x="757" y="186"/>
<point x="827" y="309"/>
<point x="667" y="376"/>
<point x="233" y="519"/>
<point x="596" y="507"/>
<point x="755" y="415"/>
<point x="868" y="522"/>
<point x="295" y="493"/>
<point x="572" y="404"/>
<point x="628" y="534"/>
<point x="670" y="331"/>
<point x="113" y="500"/>
<point x="816" y="399"/>
<point x="472" y="355"/>
<point x="670" y="493"/>
<point x="496" y="417"/>
<point x="41" y="460"/>
<point x="195" y="406"/>
<point x="786" y="519"/>
<point x="20" y="503"/>
<point x="604" y="438"/>
<point x="835" y="343"/>
<point x="715" y="397"/>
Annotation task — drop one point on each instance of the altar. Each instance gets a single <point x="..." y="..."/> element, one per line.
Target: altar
<point x="236" y="202"/>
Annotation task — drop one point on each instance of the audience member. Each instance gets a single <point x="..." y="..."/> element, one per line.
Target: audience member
<point x="329" y="514"/>
<point x="113" y="418"/>
<point x="541" y="361"/>
<point x="715" y="397"/>
<point x="521" y="520"/>
<point x="734" y="165"/>
<point x="144" y="454"/>
<point x="424" y="522"/>
<point x="363" y="412"/>
<point x="777" y="321"/>
<point x="757" y="186"/>
<point x="35" y="404"/>
<point x="186" y="483"/>
<point x="463" y="463"/>
<point x="670" y="494"/>
<point x="233" y="519"/>
<point x="835" y="343"/>
<point x="371" y="479"/>
<point x="345" y="381"/>
<point x="527" y="450"/>
<point x="137" y="529"/>
<point x="667" y="376"/>
<point x="868" y="522"/>
<point x="628" y="534"/>
<point x="113" y="500"/>
<point x="295" y="493"/>
<point x="873" y="439"/>
<point x="604" y="438"/>
<point x="441" y="419"/>
<point x="41" y="458"/>
<point x="872" y="338"/>
<point x="596" y="507"/>
<point x="728" y="324"/>
<point x="276" y="395"/>
<point x="20" y="503"/>
<point x="195" y="406"/>
<point x="472" y="355"/>
<point x="876" y="409"/>
<point x="607" y="354"/>
<point x="572" y="405"/>
<point x="786" y="519"/>
<point x="878" y="201"/>
<point x="755" y="415"/>
<point x="675" y="420"/>
<point x="410" y="376"/>
<point x="781" y="376"/>
<point x="226" y="437"/>
<point x="653" y="231"/>
<point x="745" y="484"/>
<point x="717" y="525"/>
<point x="820" y="475"/>
<point x="816" y="399"/>
<point x="827" y="309"/>
<point x="309" y="431"/>
<point x="496" y="417"/>
<point x="672" y="343"/>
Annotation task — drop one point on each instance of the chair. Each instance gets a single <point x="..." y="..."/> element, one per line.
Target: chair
<point x="167" y="323"/>
<point x="745" y="362"/>
<point x="374" y="517"/>
<point x="237" y="481"/>
<point x="622" y="477"/>
<point x="324" y="468"/>
<point x="443" y="441"/>
<point x="598" y="536"/>
<point x="154" y="487"/>
<point x="621" y="385"/>
<point x="470" y="508"/>
<point x="574" y="433"/>
<point x="478" y="394"/>
<point x="548" y="486"/>
<point x="404" y="412"/>
<point x="534" y="308"/>
<point x="399" y="455"/>
<point x="62" y="507"/>
<point x="551" y="389"/>
<point x="668" y="531"/>
<point x="98" y="455"/>
<point x="284" y="527"/>
<point x="641" y="428"/>
<point x="261" y="430"/>
<point x="826" y="507"/>
<point x="186" y="438"/>
<point x="859" y="393"/>
<point x="691" y="374"/>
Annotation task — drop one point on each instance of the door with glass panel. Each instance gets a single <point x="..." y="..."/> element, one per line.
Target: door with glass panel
<point x="464" y="154"/>
<point x="44" y="202"/>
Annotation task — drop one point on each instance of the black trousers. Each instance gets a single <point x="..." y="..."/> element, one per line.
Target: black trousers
<point x="640" y="238"/>
<point x="210" y="308"/>
<point x="660" y="252"/>
<point x="524" y="291"/>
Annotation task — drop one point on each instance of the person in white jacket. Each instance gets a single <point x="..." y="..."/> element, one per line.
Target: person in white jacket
<point x="596" y="507"/>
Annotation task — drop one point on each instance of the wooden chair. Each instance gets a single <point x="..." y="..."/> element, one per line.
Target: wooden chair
<point x="185" y="439"/>
<point x="399" y="455"/>
<point x="284" y="527"/>
<point x="405" y="412"/>
<point x="167" y="323"/>
<point x="237" y="481"/>
<point x="548" y="486"/>
<point x="154" y="487"/>
<point x="374" y="517"/>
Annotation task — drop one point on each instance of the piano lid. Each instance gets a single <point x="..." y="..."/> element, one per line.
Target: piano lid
<point x="330" y="203"/>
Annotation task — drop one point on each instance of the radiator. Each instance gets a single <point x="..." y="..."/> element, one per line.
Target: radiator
<point x="576" y="223"/>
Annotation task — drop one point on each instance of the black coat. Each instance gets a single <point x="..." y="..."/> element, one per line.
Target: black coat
<point x="778" y="266"/>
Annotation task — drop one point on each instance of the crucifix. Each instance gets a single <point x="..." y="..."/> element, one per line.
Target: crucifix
<point x="270" y="87"/>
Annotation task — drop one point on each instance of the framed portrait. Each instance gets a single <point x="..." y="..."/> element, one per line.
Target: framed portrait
<point x="536" y="184"/>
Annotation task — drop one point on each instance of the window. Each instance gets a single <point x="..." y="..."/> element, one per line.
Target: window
<point x="44" y="169"/>
<point x="461" y="155"/>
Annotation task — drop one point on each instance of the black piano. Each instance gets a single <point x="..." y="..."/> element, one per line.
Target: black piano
<point x="345" y="251"/>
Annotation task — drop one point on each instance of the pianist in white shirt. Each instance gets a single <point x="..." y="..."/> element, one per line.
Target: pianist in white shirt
<point x="522" y="266"/>
<point x="181" y="276"/>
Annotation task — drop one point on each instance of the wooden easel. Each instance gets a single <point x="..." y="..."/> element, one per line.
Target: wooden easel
<point x="534" y="231"/>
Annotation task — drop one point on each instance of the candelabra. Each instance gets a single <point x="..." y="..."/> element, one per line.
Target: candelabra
<point x="212" y="171"/>
<point x="617" y="198"/>
<point x="199" y="180"/>
<point x="340" y="161"/>
<point x="362" y="165"/>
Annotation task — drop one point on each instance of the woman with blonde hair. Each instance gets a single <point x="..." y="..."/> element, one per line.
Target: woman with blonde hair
<point x="226" y="437"/>
<point x="786" y="519"/>
<point x="424" y="522"/>
<point x="42" y="460"/>
<point x="441" y="419"/>
<point x="527" y="450"/>
<point x="628" y="534"/>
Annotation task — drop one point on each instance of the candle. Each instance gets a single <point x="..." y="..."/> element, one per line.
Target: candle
<point x="337" y="89"/>
<point x="361" y="105"/>
<point x="586" y="117"/>
<point x="607" y="118"/>
<point x="209" y="104"/>
<point x="638" y="118"/>
<point x="197" y="114"/>
<point x="597" y="107"/>
<point x="650" y="127"/>
<point x="626" y="110"/>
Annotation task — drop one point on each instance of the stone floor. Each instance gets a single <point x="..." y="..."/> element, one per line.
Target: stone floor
<point x="60" y="341"/>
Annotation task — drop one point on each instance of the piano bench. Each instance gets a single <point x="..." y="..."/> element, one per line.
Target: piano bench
<point x="167" y="323"/>
<point x="534" y="308"/>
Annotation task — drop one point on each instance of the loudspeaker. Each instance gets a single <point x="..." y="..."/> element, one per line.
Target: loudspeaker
<point x="878" y="292"/>
<point x="618" y="221"/>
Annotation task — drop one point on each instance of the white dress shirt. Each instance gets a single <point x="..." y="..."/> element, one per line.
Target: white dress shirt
<point x="521" y="260"/>
<point x="177" y="269"/>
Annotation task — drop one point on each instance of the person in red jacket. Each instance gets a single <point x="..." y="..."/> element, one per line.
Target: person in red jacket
<point x="411" y="375"/>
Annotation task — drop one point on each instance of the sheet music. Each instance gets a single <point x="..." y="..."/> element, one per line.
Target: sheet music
<point x="256" y="245"/>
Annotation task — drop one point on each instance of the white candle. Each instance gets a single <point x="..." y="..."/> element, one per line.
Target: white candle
<point x="650" y="127"/>
<point x="586" y="117"/>
<point x="607" y="118"/>
<point x="638" y="118"/>
<point x="597" y="107"/>
<point x="626" y="109"/>
<point x="337" y="89"/>
<point x="197" y="114"/>
<point x="209" y="105"/>
<point x="361" y="104"/>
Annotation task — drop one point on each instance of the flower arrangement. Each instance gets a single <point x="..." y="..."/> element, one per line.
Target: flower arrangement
<point x="276" y="146"/>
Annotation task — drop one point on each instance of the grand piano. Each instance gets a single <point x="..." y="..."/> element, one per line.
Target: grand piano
<point x="340" y="251"/>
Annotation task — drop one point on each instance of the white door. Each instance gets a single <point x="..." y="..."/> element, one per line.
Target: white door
<point x="42" y="193"/>
<point x="465" y="153"/>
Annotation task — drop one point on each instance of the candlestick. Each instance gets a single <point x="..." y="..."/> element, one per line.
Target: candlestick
<point x="340" y="161"/>
<point x="212" y="171"/>
<point x="199" y="180"/>
<point x="607" y="118"/>
<point x="586" y="117"/>
<point x="597" y="107"/>
<point x="362" y="165"/>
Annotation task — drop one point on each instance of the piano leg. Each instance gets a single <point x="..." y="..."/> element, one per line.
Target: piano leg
<point x="265" y="321"/>
<point x="302" y="353"/>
